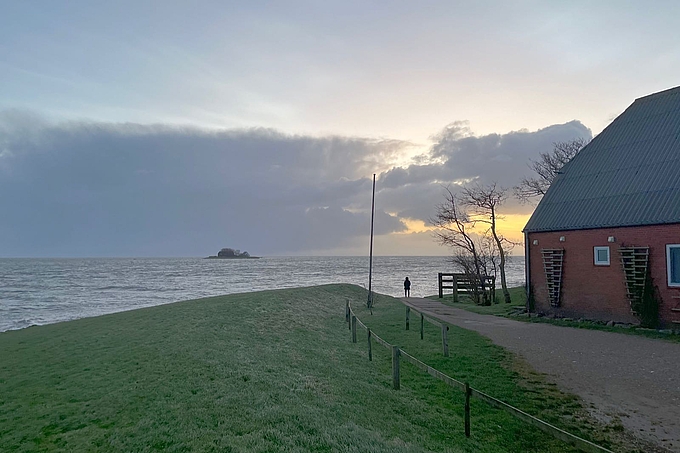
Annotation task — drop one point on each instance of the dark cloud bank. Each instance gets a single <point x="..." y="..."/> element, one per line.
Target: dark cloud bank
<point x="92" y="189"/>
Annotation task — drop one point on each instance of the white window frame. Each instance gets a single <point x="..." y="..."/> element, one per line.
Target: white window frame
<point x="598" y="262"/>
<point x="668" y="264"/>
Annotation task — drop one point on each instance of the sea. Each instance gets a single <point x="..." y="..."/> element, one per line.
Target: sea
<point x="44" y="291"/>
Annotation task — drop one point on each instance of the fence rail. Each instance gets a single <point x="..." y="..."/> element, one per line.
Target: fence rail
<point x="466" y="284"/>
<point x="444" y="328"/>
<point x="380" y="341"/>
<point x="432" y="371"/>
<point x="423" y="316"/>
<point x="397" y="353"/>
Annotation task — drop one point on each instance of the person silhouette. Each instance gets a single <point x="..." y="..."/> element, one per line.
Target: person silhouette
<point x="407" y="287"/>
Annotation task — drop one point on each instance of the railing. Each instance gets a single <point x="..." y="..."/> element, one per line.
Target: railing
<point x="397" y="353"/>
<point x="466" y="284"/>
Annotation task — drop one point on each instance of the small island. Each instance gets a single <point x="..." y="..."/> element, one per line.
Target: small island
<point x="228" y="253"/>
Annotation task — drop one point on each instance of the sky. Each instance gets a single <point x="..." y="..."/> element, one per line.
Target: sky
<point x="144" y="128"/>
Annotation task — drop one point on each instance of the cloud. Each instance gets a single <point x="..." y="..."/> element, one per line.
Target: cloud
<point x="457" y="157"/>
<point x="127" y="189"/>
<point x="499" y="157"/>
<point x="103" y="189"/>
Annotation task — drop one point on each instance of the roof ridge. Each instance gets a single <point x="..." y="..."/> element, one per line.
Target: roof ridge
<point x="659" y="93"/>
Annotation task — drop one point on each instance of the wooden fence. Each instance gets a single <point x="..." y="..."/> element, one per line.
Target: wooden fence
<point x="464" y="284"/>
<point x="397" y="354"/>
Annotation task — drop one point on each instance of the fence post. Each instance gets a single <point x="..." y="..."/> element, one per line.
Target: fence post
<point x="408" y="316"/>
<point x="354" y="329"/>
<point x="467" y="410"/>
<point x="422" y="325"/>
<point x="370" y="350"/>
<point x="455" y="289"/>
<point x="445" y="339"/>
<point x="346" y="310"/>
<point x="441" y="290"/>
<point x="395" y="367"/>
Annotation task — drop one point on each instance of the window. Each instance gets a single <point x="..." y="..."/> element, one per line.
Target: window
<point x="673" y="264"/>
<point x="602" y="256"/>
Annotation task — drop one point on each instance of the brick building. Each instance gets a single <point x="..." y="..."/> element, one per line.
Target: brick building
<point x="610" y="222"/>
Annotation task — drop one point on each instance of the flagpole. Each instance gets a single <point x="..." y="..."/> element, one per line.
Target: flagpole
<point x="370" y="259"/>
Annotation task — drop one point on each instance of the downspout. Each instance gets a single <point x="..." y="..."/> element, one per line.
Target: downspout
<point x="527" y="268"/>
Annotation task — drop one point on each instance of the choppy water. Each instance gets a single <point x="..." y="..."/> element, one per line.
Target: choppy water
<point x="44" y="291"/>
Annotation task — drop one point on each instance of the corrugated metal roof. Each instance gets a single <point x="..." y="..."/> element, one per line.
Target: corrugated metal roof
<point x="628" y="175"/>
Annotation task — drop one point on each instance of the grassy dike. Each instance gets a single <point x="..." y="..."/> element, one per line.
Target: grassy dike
<point x="264" y="372"/>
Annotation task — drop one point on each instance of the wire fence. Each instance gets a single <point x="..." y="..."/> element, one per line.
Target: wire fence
<point x="397" y="354"/>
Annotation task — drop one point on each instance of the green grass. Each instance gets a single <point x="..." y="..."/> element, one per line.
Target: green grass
<point x="518" y="297"/>
<point x="263" y="372"/>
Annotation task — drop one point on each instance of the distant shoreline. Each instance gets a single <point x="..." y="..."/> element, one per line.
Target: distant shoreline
<point x="215" y="257"/>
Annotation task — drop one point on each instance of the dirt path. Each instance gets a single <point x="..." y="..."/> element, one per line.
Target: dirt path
<point x="634" y="378"/>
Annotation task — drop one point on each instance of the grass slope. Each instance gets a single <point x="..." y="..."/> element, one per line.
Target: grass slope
<point x="263" y="372"/>
<point x="517" y="295"/>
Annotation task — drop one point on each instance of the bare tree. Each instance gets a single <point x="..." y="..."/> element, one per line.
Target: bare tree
<point x="454" y="229"/>
<point x="453" y="224"/>
<point x="547" y="167"/>
<point x="489" y="247"/>
<point x="476" y="272"/>
<point x="484" y="202"/>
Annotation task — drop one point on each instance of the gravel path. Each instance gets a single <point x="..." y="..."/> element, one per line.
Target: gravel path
<point x="634" y="378"/>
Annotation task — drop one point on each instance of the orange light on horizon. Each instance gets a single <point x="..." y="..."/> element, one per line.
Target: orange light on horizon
<point x="510" y="225"/>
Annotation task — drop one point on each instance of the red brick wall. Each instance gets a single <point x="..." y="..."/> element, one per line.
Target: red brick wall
<point x="599" y="292"/>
